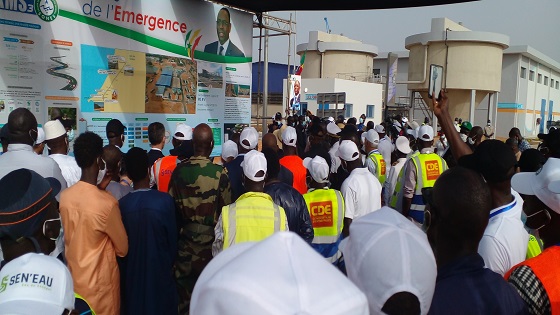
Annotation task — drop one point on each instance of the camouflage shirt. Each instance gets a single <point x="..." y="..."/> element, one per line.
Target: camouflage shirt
<point x="200" y="189"/>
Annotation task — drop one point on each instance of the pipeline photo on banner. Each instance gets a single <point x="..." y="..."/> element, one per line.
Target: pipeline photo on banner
<point x="139" y="61"/>
<point x="294" y="104"/>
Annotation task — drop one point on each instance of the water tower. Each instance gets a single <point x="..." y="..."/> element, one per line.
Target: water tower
<point x="471" y="61"/>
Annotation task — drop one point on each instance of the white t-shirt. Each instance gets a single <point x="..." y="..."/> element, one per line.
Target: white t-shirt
<point x="391" y="181"/>
<point x="505" y="240"/>
<point x="69" y="168"/>
<point x="361" y="192"/>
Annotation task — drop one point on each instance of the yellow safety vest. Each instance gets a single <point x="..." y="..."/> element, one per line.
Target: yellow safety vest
<point x="428" y="168"/>
<point x="396" y="198"/>
<point x="534" y="248"/>
<point x="380" y="166"/>
<point x="326" y="209"/>
<point x="252" y="218"/>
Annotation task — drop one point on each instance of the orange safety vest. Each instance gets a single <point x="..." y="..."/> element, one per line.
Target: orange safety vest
<point x="545" y="266"/>
<point x="163" y="168"/>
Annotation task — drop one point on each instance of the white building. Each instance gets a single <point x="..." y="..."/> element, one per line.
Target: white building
<point x="530" y="89"/>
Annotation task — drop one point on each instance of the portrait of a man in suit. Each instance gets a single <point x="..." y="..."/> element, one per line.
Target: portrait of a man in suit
<point x="295" y="100"/>
<point x="223" y="46"/>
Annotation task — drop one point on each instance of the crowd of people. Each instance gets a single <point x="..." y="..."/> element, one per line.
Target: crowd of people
<point x="325" y="216"/>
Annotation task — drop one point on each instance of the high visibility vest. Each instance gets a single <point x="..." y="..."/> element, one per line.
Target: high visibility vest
<point x="163" y="168"/>
<point x="396" y="198"/>
<point x="380" y="166"/>
<point x="534" y="247"/>
<point x="545" y="266"/>
<point x="428" y="168"/>
<point x="326" y="209"/>
<point x="252" y="218"/>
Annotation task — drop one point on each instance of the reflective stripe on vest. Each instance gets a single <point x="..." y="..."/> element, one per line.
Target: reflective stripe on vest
<point x="545" y="266"/>
<point x="380" y="166"/>
<point x="428" y="168"/>
<point x="163" y="168"/>
<point x="251" y="223"/>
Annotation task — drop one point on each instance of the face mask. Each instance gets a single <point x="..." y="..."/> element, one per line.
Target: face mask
<point x="56" y="222"/>
<point x="70" y="135"/>
<point x="471" y="141"/>
<point x="101" y="173"/>
<point x="464" y="137"/>
<point x="361" y="120"/>
<point x="307" y="119"/>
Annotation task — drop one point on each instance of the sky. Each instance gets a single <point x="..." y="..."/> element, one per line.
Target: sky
<point x="527" y="22"/>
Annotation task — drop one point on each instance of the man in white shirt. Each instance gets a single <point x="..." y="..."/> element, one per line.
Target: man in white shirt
<point x="401" y="152"/>
<point x="505" y="240"/>
<point x="57" y="143"/>
<point x="361" y="190"/>
<point x="22" y="134"/>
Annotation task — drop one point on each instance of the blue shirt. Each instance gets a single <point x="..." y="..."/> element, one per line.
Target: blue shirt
<point x="464" y="286"/>
<point x="147" y="279"/>
<point x="235" y="173"/>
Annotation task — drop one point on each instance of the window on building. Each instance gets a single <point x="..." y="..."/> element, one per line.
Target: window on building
<point x="523" y="73"/>
<point x="539" y="78"/>
<point x="545" y="80"/>
<point x="370" y="111"/>
<point x="348" y="110"/>
<point x="551" y="82"/>
<point x="557" y="85"/>
<point x="532" y="75"/>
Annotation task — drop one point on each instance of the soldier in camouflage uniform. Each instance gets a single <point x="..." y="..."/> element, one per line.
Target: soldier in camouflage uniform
<point x="200" y="189"/>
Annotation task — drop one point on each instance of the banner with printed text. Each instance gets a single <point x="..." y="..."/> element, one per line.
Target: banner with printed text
<point x="140" y="61"/>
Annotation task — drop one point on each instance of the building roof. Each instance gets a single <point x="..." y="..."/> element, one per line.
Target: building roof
<point x="313" y="5"/>
<point x="534" y="54"/>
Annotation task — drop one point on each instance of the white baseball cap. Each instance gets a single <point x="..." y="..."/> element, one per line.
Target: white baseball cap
<point x="413" y="124"/>
<point x="544" y="183"/>
<point x="249" y="135"/>
<point x="331" y="119"/>
<point x="426" y="133"/>
<point x="35" y="284"/>
<point x="413" y="132"/>
<point x="289" y="136"/>
<point x="318" y="168"/>
<point x="404" y="120"/>
<point x="333" y="129"/>
<point x="229" y="149"/>
<point x="279" y="275"/>
<point x="40" y="135"/>
<point x="372" y="136"/>
<point x="348" y="151"/>
<point x="185" y="130"/>
<point x="379" y="253"/>
<point x="403" y="145"/>
<point x="254" y="162"/>
<point x="53" y="129"/>
<point x="380" y="129"/>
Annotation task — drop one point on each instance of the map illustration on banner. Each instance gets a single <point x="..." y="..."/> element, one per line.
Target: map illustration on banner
<point x="138" y="61"/>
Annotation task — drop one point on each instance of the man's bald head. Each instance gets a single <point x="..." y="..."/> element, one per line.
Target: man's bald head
<point x="269" y="141"/>
<point x="461" y="217"/>
<point x="203" y="140"/>
<point x="112" y="157"/>
<point x="22" y="126"/>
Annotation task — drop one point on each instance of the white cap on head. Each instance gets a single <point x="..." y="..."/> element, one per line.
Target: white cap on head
<point x="318" y="168"/>
<point x="380" y="129"/>
<point x="413" y="124"/>
<point x="379" y="252"/>
<point x="403" y="145"/>
<point x="44" y="286"/>
<point x="544" y="184"/>
<point x="229" y="149"/>
<point x="333" y="129"/>
<point x="404" y="120"/>
<point x="53" y="129"/>
<point x="331" y="119"/>
<point x="426" y="133"/>
<point x="412" y="132"/>
<point x="348" y="151"/>
<point x="249" y="138"/>
<point x="289" y="136"/>
<point x="372" y="136"/>
<point x="40" y="135"/>
<point x="254" y="162"/>
<point x="183" y="129"/>
<point x="279" y="275"/>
